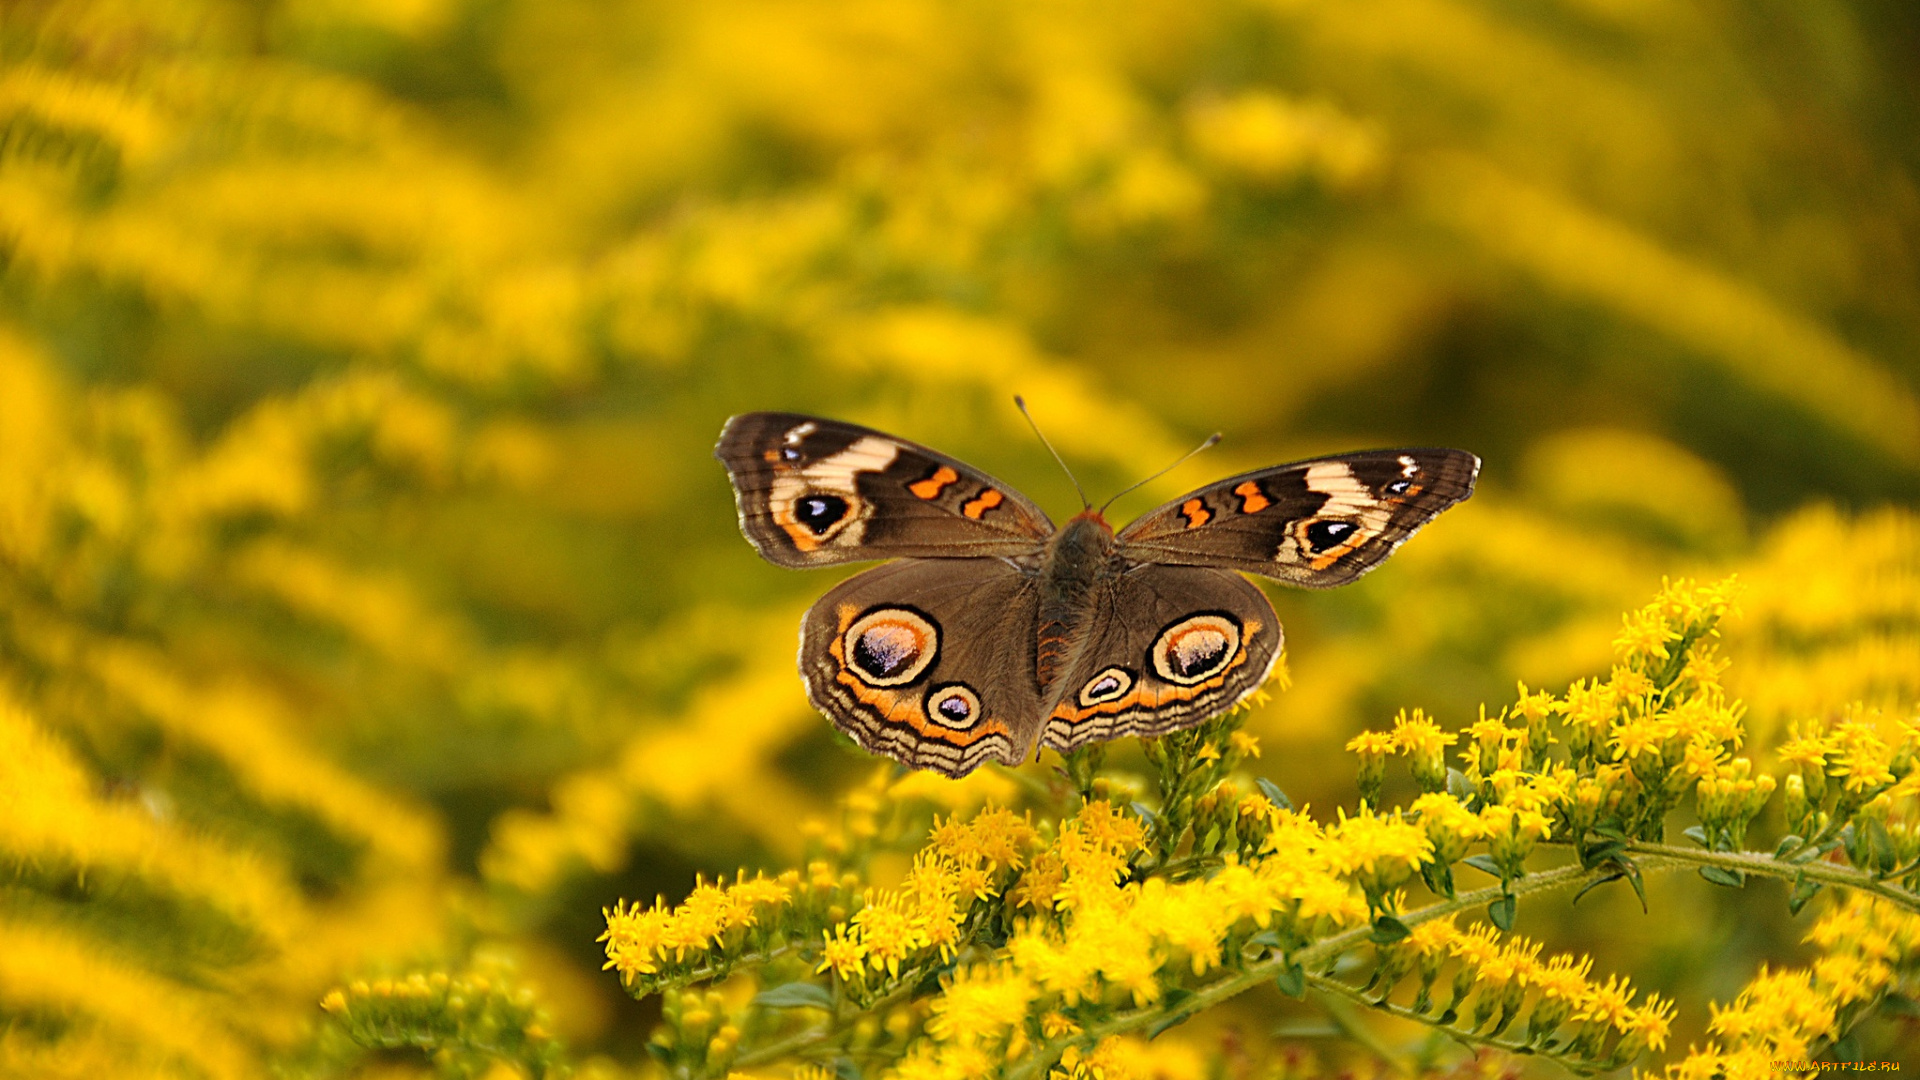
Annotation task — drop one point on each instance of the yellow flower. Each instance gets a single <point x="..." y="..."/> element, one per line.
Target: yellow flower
<point x="1450" y="826"/>
<point x="1379" y="853"/>
<point x="842" y="952"/>
<point x="1643" y="637"/>
<point x="1647" y="1025"/>
<point x="1644" y="735"/>
<point x="1371" y="744"/>
<point x="980" y="1005"/>
<point x="1247" y="744"/>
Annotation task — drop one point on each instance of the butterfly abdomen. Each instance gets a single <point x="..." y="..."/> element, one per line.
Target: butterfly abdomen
<point x="1080" y="555"/>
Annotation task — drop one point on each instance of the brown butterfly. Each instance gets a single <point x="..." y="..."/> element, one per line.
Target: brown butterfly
<point x="992" y="629"/>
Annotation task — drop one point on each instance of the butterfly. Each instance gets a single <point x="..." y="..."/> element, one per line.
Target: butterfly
<point x="992" y="629"/>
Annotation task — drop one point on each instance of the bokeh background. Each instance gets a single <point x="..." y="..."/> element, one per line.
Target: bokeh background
<point x="369" y="595"/>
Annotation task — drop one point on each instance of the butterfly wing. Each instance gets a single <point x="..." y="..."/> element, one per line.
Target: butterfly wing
<point x="1164" y="648"/>
<point x="930" y="662"/>
<point x="1315" y="524"/>
<point x="812" y="492"/>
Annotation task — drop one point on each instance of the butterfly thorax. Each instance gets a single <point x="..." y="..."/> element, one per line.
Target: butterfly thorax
<point x="1078" y="557"/>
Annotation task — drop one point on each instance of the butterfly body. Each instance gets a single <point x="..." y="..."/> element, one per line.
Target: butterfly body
<point x="1080" y="558"/>
<point x="993" y="630"/>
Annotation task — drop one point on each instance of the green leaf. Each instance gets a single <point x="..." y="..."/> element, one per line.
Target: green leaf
<point x="1484" y="864"/>
<point x="1292" y="981"/>
<point x="1698" y="835"/>
<point x="1387" y="930"/>
<point x="1804" y="889"/>
<point x="795" y="995"/>
<point x="1846" y="1047"/>
<point x="1273" y="793"/>
<point x="1457" y="785"/>
<point x="1881" y="844"/>
<point x="1900" y="1005"/>
<point x="1788" y="844"/>
<point x="1501" y="911"/>
<point x="1596" y="883"/>
<point x="1146" y="813"/>
<point x="1732" y="879"/>
<point x="1633" y="878"/>
<point x="1595" y="854"/>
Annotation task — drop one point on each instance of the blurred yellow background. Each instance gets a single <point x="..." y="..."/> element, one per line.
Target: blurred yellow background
<point x="369" y="595"/>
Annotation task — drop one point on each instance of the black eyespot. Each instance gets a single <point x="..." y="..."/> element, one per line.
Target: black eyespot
<point x="1196" y="648"/>
<point x="820" y="512"/>
<point x="1324" y="535"/>
<point x="884" y="654"/>
<point x="1111" y="684"/>
<point x="1399" y="487"/>
<point x="788" y="453"/>
<point x="953" y="705"/>
<point x="890" y="646"/>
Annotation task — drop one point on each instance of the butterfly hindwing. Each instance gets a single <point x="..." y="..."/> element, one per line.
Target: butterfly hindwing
<point x="812" y="492"/>
<point x="1163" y="648"/>
<point x="929" y="662"/>
<point x="1314" y="524"/>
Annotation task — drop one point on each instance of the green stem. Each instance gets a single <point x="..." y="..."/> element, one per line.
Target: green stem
<point x="1764" y="864"/>
<point x="836" y="1023"/>
<point x="774" y="1051"/>
<point x="1354" y="1026"/>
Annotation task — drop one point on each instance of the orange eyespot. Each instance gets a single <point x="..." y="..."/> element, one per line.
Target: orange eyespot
<point x="1111" y="684"/>
<point x="954" y="705"/>
<point x="890" y="646"/>
<point x="1196" y="648"/>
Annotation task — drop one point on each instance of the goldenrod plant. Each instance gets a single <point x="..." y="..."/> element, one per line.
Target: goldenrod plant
<point x="375" y="631"/>
<point x="1037" y="945"/>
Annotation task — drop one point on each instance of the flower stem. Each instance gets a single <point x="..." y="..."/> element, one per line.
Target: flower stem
<point x="1764" y="864"/>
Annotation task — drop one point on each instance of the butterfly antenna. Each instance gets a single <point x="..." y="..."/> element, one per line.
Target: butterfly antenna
<point x="1211" y="439"/>
<point x="1021" y="404"/>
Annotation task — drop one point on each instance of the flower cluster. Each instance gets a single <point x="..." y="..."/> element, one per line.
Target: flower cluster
<point x="1869" y="948"/>
<point x="931" y="914"/>
<point x="1495" y="981"/>
<point x="463" y="1020"/>
<point x="715" y="921"/>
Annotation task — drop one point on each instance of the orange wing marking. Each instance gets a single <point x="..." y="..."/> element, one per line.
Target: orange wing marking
<point x="1145" y="697"/>
<point x="932" y="486"/>
<point x="1197" y="513"/>
<point x="1335" y="554"/>
<point x="896" y="707"/>
<point x="1252" y="499"/>
<point x="982" y="503"/>
<point x="802" y="537"/>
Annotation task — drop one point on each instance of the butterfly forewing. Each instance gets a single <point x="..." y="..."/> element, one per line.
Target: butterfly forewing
<point x="1315" y="524"/>
<point x="814" y="492"/>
